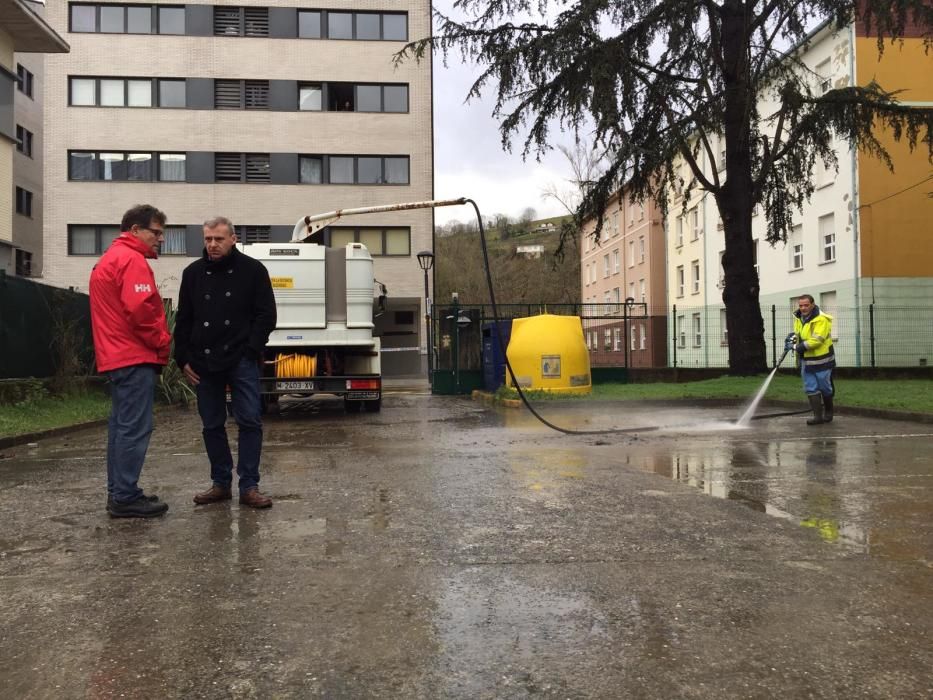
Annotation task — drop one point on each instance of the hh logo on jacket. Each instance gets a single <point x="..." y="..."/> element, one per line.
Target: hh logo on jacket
<point x="142" y="288"/>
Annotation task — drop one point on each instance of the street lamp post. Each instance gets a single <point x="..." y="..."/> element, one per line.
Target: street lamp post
<point x="426" y="262"/>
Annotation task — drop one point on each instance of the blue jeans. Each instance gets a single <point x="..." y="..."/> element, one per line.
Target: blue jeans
<point x="818" y="382"/>
<point x="243" y="381"/>
<point x="129" y="429"/>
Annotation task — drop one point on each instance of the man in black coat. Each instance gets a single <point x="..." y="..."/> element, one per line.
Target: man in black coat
<point x="226" y="311"/>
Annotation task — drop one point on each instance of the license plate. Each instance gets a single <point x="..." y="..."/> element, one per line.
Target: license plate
<point x="294" y="386"/>
<point x="362" y="395"/>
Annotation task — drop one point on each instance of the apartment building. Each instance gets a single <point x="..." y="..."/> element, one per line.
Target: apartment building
<point x="863" y="238"/>
<point x="24" y="37"/>
<point x="263" y="111"/>
<point x="622" y="280"/>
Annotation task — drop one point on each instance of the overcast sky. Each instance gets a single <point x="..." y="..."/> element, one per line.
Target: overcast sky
<point x="469" y="160"/>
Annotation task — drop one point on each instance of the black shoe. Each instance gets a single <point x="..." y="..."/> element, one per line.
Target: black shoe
<point x="142" y="507"/>
<point x="827" y="409"/>
<point x="152" y="498"/>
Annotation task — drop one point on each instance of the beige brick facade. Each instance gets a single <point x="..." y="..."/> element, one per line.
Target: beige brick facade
<point x="145" y="129"/>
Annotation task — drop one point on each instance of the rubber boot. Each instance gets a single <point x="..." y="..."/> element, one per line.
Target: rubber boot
<point x="827" y="409"/>
<point x="816" y="405"/>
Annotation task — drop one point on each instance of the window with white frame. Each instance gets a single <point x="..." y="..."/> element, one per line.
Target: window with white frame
<point x="607" y="339"/>
<point x="606" y="265"/>
<point x="631" y="339"/>
<point x="641" y="212"/>
<point x="722" y="271"/>
<point x="641" y="249"/>
<point x="697" y="333"/>
<point x="823" y="77"/>
<point x="680" y="280"/>
<point x="679" y="240"/>
<point x="681" y="331"/>
<point x="823" y="176"/>
<point x="642" y="336"/>
<point x="827" y="228"/>
<point x="795" y="247"/>
<point x="607" y="305"/>
<point x="695" y="277"/>
<point x="723" y="328"/>
<point x="828" y="305"/>
<point x="616" y="263"/>
<point x="642" y="291"/>
<point x="616" y="298"/>
<point x="694" y="223"/>
<point x="617" y="339"/>
<point x="631" y="290"/>
<point x="631" y="253"/>
<point x="755" y="256"/>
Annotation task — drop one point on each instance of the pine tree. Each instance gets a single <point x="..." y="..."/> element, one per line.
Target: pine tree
<point x="660" y="80"/>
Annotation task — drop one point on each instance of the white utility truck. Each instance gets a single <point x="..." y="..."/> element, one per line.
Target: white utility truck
<point x="323" y="342"/>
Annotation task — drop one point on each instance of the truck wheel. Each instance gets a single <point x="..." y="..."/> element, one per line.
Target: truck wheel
<point x="374" y="406"/>
<point x="352" y="406"/>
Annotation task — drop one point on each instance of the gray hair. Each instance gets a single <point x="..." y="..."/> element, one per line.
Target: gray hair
<point x="220" y="221"/>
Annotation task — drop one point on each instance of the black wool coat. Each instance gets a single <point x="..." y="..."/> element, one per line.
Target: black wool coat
<point x="226" y="311"/>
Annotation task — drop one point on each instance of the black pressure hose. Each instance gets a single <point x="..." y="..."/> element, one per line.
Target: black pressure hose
<point x="502" y="349"/>
<point x="518" y="388"/>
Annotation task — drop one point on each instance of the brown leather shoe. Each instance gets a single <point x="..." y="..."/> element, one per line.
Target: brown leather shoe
<point x="254" y="499"/>
<point x="214" y="494"/>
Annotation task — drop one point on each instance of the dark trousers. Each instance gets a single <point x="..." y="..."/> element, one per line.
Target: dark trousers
<point x="129" y="429"/>
<point x="243" y="380"/>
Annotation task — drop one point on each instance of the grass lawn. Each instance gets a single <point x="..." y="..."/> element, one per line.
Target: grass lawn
<point x="52" y="412"/>
<point x="915" y="395"/>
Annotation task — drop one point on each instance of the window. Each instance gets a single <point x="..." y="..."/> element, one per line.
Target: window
<point x="695" y="277"/>
<point x="795" y="245"/>
<point x="631" y="341"/>
<point x="823" y="175"/>
<point x="641" y="249"/>
<point x="126" y="92"/>
<point x="642" y="336"/>
<point x="119" y="166"/>
<point x="828" y="238"/>
<point x="607" y="339"/>
<point x="23" y="80"/>
<point x="241" y="167"/>
<point x="823" y="78"/>
<point x="23" y="263"/>
<point x="24" y="140"/>
<point x="382" y="170"/>
<point x="241" y="21"/>
<point x="723" y="328"/>
<point x="309" y="98"/>
<point x="681" y="331"/>
<point x="607" y="303"/>
<point x="172" y="167"/>
<point x="722" y="272"/>
<point x="680" y="280"/>
<point x="23" y="202"/>
<point x="606" y="267"/>
<point x="382" y="98"/>
<point x="616" y="298"/>
<point x="617" y="339"/>
<point x="309" y="24"/>
<point x="755" y="256"/>
<point x="697" y="334"/>
<point x="631" y="290"/>
<point x="311" y="170"/>
<point x="615" y="261"/>
<point x="241" y="94"/>
<point x="90" y="240"/>
<point x="175" y="242"/>
<point x="379" y="241"/>
<point x="695" y="224"/>
<point x="360" y="26"/>
<point x="127" y="19"/>
<point x="642" y="293"/>
<point x="631" y="253"/>
<point x="680" y="232"/>
<point x="641" y="212"/>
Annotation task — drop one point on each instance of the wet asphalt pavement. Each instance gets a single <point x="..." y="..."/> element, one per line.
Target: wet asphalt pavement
<point x="441" y="549"/>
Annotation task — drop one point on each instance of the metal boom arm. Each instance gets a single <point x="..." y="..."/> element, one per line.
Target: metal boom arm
<point x="309" y="225"/>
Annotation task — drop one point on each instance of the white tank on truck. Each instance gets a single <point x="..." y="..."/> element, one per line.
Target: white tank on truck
<point x="324" y="341"/>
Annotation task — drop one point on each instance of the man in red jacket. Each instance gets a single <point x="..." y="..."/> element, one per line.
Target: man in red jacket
<point x="132" y="343"/>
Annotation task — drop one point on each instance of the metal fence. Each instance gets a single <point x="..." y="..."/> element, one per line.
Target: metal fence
<point x="641" y="336"/>
<point x="43" y="329"/>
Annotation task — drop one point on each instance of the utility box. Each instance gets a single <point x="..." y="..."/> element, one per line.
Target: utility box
<point x="493" y="358"/>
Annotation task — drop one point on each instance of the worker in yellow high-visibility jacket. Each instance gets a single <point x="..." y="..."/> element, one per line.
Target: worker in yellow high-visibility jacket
<point x="813" y="343"/>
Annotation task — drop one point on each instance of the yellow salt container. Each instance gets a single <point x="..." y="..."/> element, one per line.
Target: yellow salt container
<point x="548" y="353"/>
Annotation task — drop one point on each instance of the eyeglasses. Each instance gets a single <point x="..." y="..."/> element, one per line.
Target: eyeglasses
<point x="157" y="231"/>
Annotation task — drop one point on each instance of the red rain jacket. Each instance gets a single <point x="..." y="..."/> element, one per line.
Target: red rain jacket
<point x="127" y="316"/>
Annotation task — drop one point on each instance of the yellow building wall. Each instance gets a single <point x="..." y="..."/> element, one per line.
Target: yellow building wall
<point x="896" y="213"/>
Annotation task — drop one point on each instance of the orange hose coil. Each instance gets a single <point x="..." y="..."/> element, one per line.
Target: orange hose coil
<point x="295" y="366"/>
